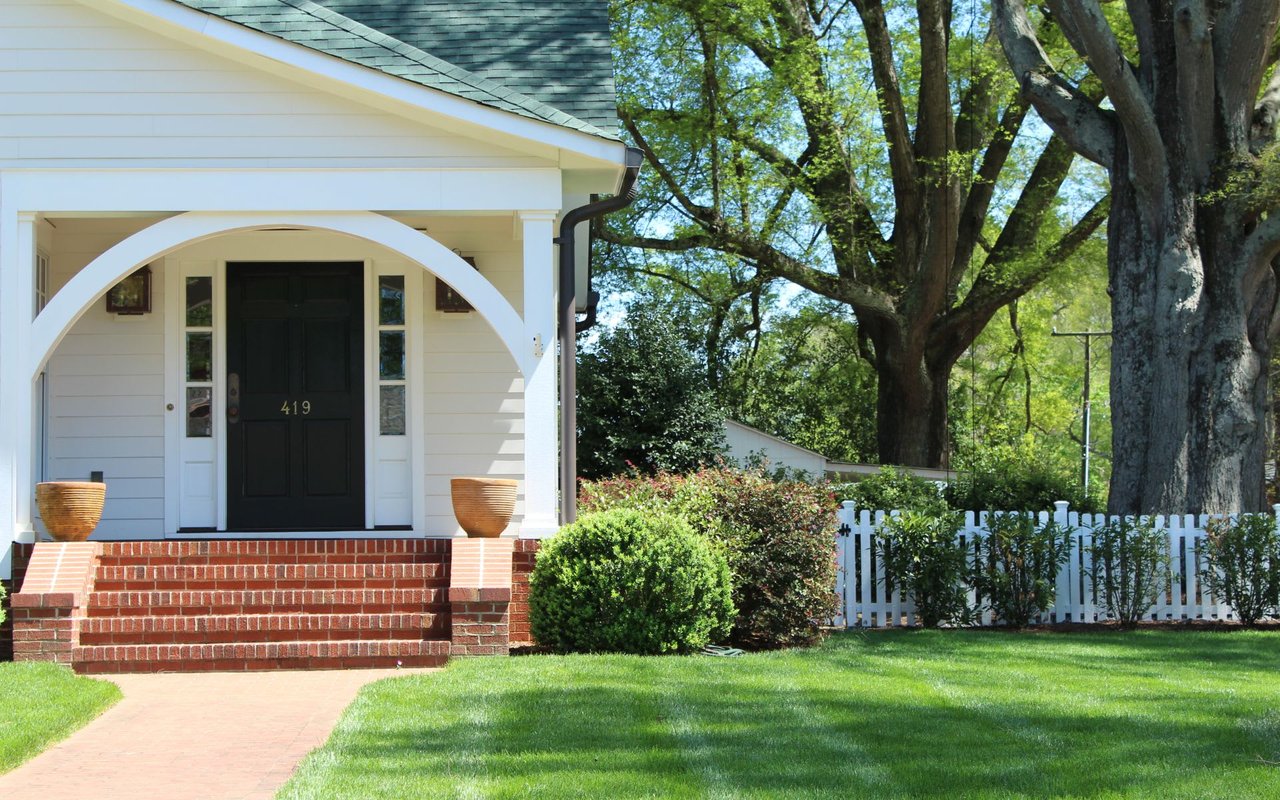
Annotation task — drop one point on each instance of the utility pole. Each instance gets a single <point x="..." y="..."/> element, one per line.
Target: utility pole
<point x="1085" y="410"/>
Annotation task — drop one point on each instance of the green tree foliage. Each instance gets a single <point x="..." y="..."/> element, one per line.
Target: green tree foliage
<point x="1016" y="395"/>
<point x="871" y="155"/>
<point x="644" y="403"/>
<point x="892" y="489"/>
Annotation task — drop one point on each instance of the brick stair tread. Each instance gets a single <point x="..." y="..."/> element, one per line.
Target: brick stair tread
<point x="241" y="656"/>
<point x="276" y="551"/>
<point x="174" y="629"/>
<point x="185" y="577"/>
<point x="232" y="601"/>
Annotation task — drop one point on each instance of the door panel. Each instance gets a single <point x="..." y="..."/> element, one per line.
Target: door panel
<point x="295" y="447"/>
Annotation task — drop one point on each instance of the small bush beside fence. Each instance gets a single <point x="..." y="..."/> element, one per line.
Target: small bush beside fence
<point x="1057" y="567"/>
<point x="1243" y="565"/>
<point x="775" y="534"/>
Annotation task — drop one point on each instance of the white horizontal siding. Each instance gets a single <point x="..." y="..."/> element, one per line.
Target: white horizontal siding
<point x="80" y="88"/>
<point x="474" y="397"/>
<point x="106" y="392"/>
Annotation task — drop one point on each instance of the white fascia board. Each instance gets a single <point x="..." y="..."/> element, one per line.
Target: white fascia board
<point x="390" y="190"/>
<point x="232" y="40"/>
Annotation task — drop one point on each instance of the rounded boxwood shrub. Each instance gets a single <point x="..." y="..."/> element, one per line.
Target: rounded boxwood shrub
<point x="626" y="581"/>
<point x="779" y="538"/>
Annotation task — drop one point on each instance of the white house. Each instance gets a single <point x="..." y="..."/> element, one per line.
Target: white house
<point x="221" y="228"/>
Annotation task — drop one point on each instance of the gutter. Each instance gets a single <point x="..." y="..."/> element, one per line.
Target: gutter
<point x="569" y="328"/>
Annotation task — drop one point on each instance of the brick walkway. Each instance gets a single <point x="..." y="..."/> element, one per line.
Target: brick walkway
<point x="208" y="736"/>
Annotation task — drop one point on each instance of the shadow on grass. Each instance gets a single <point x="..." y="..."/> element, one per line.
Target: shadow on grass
<point x="928" y="714"/>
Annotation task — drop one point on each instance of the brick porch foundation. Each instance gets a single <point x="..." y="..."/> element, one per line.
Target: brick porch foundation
<point x="270" y="604"/>
<point x="21" y="555"/>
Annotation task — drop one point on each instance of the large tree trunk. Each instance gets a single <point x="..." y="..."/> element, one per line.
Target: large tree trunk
<point x="911" y="410"/>
<point x="1189" y="356"/>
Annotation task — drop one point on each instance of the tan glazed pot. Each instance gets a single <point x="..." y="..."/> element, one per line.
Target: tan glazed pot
<point x="70" y="509"/>
<point x="483" y="506"/>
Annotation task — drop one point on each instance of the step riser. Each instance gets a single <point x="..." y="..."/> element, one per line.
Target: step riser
<point x="267" y="608"/>
<point x="346" y="601"/>
<point x="304" y="584"/>
<point x="259" y="572"/>
<point x="268" y="628"/>
<point x="269" y="560"/>
<point x="277" y="552"/>
<point x="238" y="665"/>
<point x="274" y="655"/>
<point x="261" y="637"/>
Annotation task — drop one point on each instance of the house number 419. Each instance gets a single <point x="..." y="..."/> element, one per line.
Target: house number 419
<point x="296" y="408"/>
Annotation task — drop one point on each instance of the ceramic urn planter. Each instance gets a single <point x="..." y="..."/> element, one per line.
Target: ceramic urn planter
<point x="483" y="506"/>
<point x="70" y="509"/>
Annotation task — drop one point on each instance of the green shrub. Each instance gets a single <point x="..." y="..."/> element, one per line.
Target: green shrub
<point x="778" y="536"/>
<point x="1243" y="565"/>
<point x="892" y="489"/>
<point x="2" y="604"/>
<point x="626" y="581"/>
<point x="1130" y="567"/>
<point x="1016" y="476"/>
<point x="922" y="557"/>
<point x="1018" y="566"/>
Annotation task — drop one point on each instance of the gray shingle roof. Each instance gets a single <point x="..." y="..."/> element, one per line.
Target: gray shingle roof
<point x="548" y="60"/>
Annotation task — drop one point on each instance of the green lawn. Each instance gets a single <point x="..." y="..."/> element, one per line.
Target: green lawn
<point x="42" y="703"/>
<point x="1152" y="714"/>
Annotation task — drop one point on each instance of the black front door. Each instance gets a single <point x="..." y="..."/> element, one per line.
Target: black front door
<point x="295" y="400"/>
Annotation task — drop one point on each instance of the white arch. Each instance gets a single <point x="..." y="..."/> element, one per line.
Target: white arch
<point x="157" y="240"/>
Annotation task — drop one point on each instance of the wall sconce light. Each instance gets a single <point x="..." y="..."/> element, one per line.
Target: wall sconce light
<point x="447" y="299"/>
<point x="131" y="295"/>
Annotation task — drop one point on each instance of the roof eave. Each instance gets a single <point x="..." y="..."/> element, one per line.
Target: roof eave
<point x="175" y="20"/>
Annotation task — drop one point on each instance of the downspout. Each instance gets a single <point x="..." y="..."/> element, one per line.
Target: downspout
<point x="569" y="328"/>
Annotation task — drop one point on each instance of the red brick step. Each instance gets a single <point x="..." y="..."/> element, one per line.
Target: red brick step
<point x="192" y="577"/>
<point x="268" y="601"/>
<point x="260" y="628"/>
<point x="260" y="656"/>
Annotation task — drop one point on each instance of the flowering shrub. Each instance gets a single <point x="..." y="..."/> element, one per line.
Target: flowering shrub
<point x="779" y="537"/>
<point x="626" y="581"/>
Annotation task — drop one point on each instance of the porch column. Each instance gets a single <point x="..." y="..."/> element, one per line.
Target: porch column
<point x="541" y="421"/>
<point x="17" y="305"/>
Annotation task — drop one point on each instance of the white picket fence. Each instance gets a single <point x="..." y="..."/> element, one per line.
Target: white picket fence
<point x="861" y="579"/>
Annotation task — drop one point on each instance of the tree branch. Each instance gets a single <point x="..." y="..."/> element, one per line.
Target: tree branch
<point x="893" y="114"/>
<point x="664" y="172"/>
<point x="1260" y="249"/>
<point x="976" y="205"/>
<point x="1087" y="128"/>
<point x="935" y="134"/>
<point x="1242" y="38"/>
<point x="1145" y="32"/>
<point x="1146" y="149"/>
<point x="1194" y="48"/>
<point x="990" y="293"/>
<point x="1266" y="115"/>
